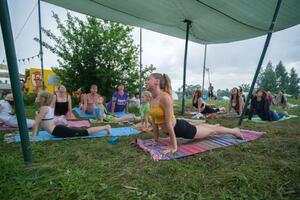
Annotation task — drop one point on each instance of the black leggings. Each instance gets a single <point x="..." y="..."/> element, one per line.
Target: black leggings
<point x="64" y="131"/>
<point x="207" y="110"/>
<point x="184" y="129"/>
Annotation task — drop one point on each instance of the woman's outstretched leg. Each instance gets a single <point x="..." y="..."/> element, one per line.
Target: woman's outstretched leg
<point x="206" y="130"/>
<point x="97" y="129"/>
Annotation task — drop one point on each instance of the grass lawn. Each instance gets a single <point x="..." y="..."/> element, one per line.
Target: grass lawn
<point x="268" y="168"/>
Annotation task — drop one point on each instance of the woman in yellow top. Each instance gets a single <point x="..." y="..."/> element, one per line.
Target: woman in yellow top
<point x="162" y="113"/>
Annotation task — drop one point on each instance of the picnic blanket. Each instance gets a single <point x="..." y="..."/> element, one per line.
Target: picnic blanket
<point x="45" y="136"/>
<point x="259" y="120"/>
<point x="81" y="114"/>
<point x="194" y="147"/>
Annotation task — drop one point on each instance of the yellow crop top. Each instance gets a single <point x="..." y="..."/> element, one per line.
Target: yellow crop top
<point x="158" y="113"/>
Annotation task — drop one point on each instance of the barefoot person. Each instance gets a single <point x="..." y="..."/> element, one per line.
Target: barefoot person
<point x="162" y="113"/>
<point x="44" y="120"/>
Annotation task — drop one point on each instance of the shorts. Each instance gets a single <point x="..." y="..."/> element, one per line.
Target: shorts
<point x="208" y="110"/>
<point x="184" y="129"/>
<point x="64" y="131"/>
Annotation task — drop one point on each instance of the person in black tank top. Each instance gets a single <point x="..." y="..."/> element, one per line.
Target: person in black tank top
<point x="62" y="103"/>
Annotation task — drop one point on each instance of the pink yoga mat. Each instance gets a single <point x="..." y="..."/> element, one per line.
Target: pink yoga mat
<point x="78" y="124"/>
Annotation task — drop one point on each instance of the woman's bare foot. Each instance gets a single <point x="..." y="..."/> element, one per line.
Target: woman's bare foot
<point x="108" y="129"/>
<point x="237" y="133"/>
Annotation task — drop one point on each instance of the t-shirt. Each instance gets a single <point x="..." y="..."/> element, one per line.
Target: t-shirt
<point x="144" y="109"/>
<point x="6" y="108"/>
<point x="120" y="100"/>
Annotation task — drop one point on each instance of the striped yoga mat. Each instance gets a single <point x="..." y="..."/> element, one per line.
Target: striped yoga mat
<point x="192" y="148"/>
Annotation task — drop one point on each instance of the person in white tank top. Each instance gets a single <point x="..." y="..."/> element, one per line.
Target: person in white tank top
<point x="45" y="117"/>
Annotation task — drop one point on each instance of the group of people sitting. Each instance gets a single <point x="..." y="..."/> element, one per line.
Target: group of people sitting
<point x="260" y="104"/>
<point x="156" y="101"/>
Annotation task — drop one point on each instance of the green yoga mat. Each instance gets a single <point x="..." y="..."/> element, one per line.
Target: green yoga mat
<point x="258" y="120"/>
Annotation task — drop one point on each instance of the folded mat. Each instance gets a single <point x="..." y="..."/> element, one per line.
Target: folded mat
<point x="194" y="147"/>
<point x="78" y="124"/>
<point x="91" y="116"/>
<point x="45" y="136"/>
<point x="259" y="120"/>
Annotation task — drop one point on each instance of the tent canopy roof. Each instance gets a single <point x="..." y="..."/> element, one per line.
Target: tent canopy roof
<point x="213" y="21"/>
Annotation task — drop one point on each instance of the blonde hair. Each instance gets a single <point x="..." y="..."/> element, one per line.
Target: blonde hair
<point x="147" y="94"/>
<point x="47" y="96"/>
<point x="164" y="82"/>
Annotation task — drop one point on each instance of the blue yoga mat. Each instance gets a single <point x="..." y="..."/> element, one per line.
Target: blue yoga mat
<point x="91" y="116"/>
<point x="121" y="131"/>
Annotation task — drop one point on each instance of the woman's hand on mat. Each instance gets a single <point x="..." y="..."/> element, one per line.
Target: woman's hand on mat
<point x="168" y="151"/>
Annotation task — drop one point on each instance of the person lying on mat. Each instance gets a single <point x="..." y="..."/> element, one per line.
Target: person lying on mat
<point x="91" y="100"/>
<point x="201" y="106"/>
<point x="7" y="115"/>
<point x="44" y="120"/>
<point x="161" y="110"/>
<point x="62" y="103"/>
<point x="260" y="105"/>
<point x="236" y="101"/>
<point x="119" y="100"/>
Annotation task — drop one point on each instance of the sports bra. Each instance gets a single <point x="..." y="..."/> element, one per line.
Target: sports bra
<point x="50" y="114"/>
<point x="157" y="112"/>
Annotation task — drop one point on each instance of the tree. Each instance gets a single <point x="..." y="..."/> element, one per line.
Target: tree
<point x="95" y="51"/>
<point x="222" y="93"/>
<point x="267" y="79"/>
<point x="282" y="77"/>
<point x="189" y="89"/>
<point x="293" y="87"/>
<point x="245" y="87"/>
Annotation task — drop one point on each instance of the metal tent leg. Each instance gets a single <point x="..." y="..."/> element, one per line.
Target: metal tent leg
<point x="188" y="24"/>
<point x="14" y="78"/>
<point x="261" y="60"/>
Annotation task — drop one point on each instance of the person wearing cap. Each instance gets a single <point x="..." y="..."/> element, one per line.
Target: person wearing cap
<point x="7" y="115"/>
<point x="119" y="100"/>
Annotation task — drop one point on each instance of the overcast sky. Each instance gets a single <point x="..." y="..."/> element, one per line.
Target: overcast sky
<point x="230" y="64"/>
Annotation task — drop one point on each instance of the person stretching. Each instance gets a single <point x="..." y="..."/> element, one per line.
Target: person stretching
<point x="44" y="120"/>
<point x="161" y="110"/>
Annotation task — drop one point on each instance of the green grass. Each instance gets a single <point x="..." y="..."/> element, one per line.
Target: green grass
<point x="268" y="168"/>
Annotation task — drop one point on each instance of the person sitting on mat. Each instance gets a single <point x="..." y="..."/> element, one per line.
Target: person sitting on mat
<point x="100" y="111"/>
<point x="91" y="100"/>
<point x="119" y="100"/>
<point x="201" y="106"/>
<point x="44" y="120"/>
<point x="270" y="98"/>
<point x="161" y="110"/>
<point x="80" y="94"/>
<point x="62" y="103"/>
<point x="144" y="111"/>
<point x="260" y="105"/>
<point x="236" y="101"/>
<point x="7" y="115"/>
<point x="281" y="99"/>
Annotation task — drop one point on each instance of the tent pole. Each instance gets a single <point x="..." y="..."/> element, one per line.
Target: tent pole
<point x="14" y="78"/>
<point x="188" y="24"/>
<point x="261" y="60"/>
<point x="204" y="68"/>
<point x="41" y="47"/>
<point x="140" y="88"/>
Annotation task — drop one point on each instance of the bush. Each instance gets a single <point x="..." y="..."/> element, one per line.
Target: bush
<point x="29" y="98"/>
